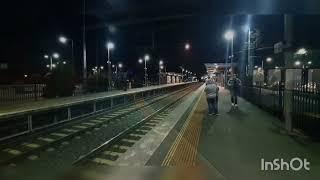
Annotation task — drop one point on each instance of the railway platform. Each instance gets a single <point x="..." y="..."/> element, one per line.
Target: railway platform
<point x="167" y="137"/>
<point x="61" y="101"/>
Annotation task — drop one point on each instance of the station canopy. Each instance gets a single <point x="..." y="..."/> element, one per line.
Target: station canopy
<point x="214" y="68"/>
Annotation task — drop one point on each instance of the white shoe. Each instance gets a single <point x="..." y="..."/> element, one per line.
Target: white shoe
<point x="236" y="105"/>
<point x="232" y="104"/>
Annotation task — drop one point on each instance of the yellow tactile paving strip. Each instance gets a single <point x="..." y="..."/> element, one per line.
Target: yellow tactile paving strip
<point x="184" y="150"/>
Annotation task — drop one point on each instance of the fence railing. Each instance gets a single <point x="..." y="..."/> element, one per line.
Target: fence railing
<point x="303" y="102"/>
<point x="306" y="108"/>
<point x="20" y="123"/>
<point x="19" y="93"/>
<point x="270" y="99"/>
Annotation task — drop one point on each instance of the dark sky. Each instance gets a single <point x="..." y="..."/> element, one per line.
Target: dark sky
<point x="30" y="29"/>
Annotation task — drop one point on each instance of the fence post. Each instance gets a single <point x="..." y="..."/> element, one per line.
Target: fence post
<point x="35" y="92"/>
<point x="94" y="106"/>
<point x="288" y="102"/>
<point x="111" y="102"/>
<point x="30" y="123"/>
<point x="260" y="102"/>
<point x="69" y="113"/>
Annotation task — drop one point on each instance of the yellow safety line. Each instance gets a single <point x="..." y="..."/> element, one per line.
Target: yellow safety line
<point x="169" y="156"/>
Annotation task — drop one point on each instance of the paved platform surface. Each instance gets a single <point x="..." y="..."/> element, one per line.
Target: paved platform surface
<point x="234" y="143"/>
<point x="47" y="103"/>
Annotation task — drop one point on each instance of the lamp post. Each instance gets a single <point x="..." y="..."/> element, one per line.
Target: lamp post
<point x="120" y="65"/>
<point x="182" y="69"/>
<point x="65" y="40"/>
<point x="268" y="60"/>
<point x="229" y="36"/>
<point x="110" y="46"/>
<point x="247" y="29"/>
<point x="145" y="59"/>
<point x="160" y="68"/>
<point x="51" y="57"/>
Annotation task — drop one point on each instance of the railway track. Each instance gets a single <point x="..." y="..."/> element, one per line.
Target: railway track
<point x="111" y="122"/>
<point x="108" y="152"/>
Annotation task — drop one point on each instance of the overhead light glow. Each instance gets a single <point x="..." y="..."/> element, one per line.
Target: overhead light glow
<point x="110" y="45"/>
<point x="187" y="46"/>
<point x="229" y="35"/>
<point x="269" y="59"/>
<point x="301" y="51"/>
<point x="63" y="39"/>
<point x="55" y="55"/>
<point x="147" y="57"/>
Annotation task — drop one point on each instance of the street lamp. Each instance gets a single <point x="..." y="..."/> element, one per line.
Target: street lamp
<point x="55" y="55"/>
<point x="160" y="68"/>
<point x="110" y="46"/>
<point x="247" y="29"/>
<point x="145" y="59"/>
<point x="119" y="65"/>
<point x="182" y="70"/>
<point x="297" y="63"/>
<point x="269" y="59"/>
<point x="187" y="46"/>
<point x="51" y="57"/>
<point x="229" y="36"/>
<point x="64" y="40"/>
<point x="301" y="51"/>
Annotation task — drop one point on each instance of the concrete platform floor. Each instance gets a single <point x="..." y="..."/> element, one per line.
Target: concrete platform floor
<point x="234" y="143"/>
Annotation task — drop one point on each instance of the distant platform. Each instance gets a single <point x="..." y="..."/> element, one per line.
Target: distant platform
<point x="65" y="101"/>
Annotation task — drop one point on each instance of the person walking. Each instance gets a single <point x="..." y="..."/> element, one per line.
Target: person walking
<point x="234" y="84"/>
<point x="212" y="91"/>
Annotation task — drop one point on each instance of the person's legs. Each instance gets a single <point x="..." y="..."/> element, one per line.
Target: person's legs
<point x="209" y="106"/>
<point x="232" y="97"/>
<point x="236" y="100"/>
<point x="215" y="105"/>
<point x="217" y="101"/>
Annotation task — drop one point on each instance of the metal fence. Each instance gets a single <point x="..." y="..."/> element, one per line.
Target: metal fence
<point x="270" y="99"/>
<point x="20" y="123"/>
<point x="20" y="93"/>
<point x="306" y="108"/>
<point x="303" y="102"/>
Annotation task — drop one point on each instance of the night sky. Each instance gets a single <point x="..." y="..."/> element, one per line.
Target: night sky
<point x="30" y="29"/>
